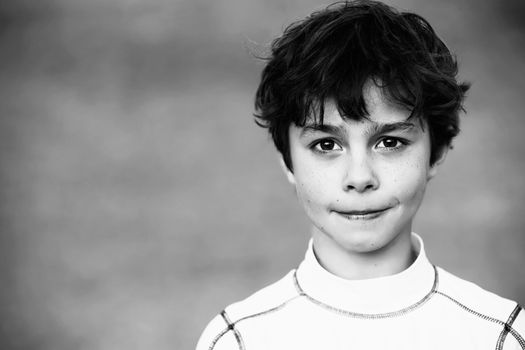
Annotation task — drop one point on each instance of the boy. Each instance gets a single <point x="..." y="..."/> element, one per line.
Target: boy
<point x="362" y="103"/>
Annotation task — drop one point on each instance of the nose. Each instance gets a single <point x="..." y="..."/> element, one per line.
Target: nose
<point x="360" y="175"/>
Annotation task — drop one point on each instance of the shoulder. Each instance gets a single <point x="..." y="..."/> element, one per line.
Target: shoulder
<point x="221" y="332"/>
<point x="485" y="306"/>
<point x="268" y="299"/>
<point x="472" y="296"/>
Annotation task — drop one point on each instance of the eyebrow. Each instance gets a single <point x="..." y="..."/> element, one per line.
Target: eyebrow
<point x="383" y="128"/>
<point x="338" y="130"/>
<point x="374" y="129"/>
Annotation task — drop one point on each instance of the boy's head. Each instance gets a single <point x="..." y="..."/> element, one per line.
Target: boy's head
<point x="332" y="54"/>
<point x="362" y="102"/>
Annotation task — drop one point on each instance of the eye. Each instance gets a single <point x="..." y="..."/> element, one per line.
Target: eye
<point x="326" y="145"/>
<point x="390" y="143"/>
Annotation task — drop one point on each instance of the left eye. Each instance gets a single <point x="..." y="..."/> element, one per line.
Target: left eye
<point x="326" y="145"/>
<point x="389" y="142"/>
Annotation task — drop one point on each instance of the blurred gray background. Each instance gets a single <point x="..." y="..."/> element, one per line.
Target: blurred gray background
<point x="138" y="197"/>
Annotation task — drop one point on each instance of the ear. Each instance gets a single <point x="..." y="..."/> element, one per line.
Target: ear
<point x="289" y="175"/>
<point x="441" y="158"/>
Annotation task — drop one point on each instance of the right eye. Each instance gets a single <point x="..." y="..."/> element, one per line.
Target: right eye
<point x="326" y="146"/>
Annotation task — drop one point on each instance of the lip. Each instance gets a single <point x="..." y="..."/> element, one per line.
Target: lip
<point x="366" y="214"/>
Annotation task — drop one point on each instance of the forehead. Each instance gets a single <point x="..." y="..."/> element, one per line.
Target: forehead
<point x="381" y="110"/>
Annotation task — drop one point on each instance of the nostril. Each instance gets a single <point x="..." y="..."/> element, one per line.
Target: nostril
<point x="361" y="186"/>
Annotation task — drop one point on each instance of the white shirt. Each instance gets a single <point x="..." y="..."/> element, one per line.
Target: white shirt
<point x="422" y="307"/>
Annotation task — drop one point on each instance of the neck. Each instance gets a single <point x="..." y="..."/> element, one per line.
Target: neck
<point x="353" y="264"/>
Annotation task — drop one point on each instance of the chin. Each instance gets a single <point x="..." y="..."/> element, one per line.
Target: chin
<point x="363" y="241"/>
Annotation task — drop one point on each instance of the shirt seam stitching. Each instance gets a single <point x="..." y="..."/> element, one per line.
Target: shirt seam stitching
<point x="352" y="314"/>
<point x="505" y="330"/>
<point x="236" y="332"/>
<point x="231" y="325"/>
<point x="485" y="317"/>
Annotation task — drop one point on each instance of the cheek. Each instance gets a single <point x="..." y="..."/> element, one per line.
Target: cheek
<point x="308" y="189"/>
<point x="409" y="181"/>
<point x="311" y="188"/>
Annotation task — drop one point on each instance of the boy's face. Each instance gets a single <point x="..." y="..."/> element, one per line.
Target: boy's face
<point x="361" y="182"/>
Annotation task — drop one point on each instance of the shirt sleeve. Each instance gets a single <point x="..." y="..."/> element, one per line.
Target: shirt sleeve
<point x="218" y="335"/>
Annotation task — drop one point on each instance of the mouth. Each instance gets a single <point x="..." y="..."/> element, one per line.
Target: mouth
<point x="366" y="214"/>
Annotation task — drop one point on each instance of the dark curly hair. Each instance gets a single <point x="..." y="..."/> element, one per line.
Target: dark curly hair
<point x="332" y="54"/>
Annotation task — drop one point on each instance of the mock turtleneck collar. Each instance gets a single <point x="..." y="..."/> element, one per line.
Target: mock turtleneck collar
<point x="370" y="296"/>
